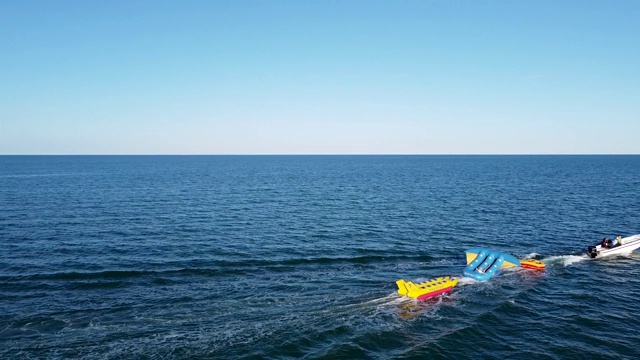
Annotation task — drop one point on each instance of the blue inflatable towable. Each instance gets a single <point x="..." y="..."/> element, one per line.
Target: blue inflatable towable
<point x="483" y="264"/>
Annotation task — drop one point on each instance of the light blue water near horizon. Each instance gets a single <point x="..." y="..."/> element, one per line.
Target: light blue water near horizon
<point x="297" y="256"/>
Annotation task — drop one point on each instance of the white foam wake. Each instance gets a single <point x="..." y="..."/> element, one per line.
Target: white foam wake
<point x="462" y="281"/>
<point x="566" y="260"/>
<point x="390" y="299"/>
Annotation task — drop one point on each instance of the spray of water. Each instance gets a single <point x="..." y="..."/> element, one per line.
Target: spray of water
<point x="565" y="260"/>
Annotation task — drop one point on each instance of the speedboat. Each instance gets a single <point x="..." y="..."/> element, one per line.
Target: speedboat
<point x="624" y="246"/>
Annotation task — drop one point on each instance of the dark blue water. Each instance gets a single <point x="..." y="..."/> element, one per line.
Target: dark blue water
<point x="296" y="256"/>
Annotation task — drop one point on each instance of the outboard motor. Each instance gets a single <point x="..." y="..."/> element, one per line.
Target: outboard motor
<point x="591" y="250"/>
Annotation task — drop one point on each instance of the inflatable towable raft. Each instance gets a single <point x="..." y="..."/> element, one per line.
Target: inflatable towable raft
<point x="532" y="264"/>
<point x="483" y="264"/>
<point x="427" y="289"/>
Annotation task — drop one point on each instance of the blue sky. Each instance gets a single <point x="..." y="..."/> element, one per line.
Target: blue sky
<point x="319" y="77"/>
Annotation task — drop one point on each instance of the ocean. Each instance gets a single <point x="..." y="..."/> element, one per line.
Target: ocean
<point x="289" y="257"/>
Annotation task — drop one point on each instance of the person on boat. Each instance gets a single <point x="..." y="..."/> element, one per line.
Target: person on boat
<point x="614" y="243"/>
<point x="605" y="243"/>
<point x="619" y="239"/>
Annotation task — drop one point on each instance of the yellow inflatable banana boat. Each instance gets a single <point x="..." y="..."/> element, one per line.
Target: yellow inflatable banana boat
<point x="427" y="289"/>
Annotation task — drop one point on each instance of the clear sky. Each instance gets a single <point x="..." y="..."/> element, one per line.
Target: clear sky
<point x="319" y="77"/>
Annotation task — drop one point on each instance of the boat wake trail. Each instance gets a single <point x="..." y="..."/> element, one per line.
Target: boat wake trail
<point x="466" y="281"/>
<point x="388" y="300"/>
<point x="565" y="260"/>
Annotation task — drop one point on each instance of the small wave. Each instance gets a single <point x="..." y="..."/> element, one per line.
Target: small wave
<point x="114" y="275"/>
<point x="367" y="259"/>
<point x="219" y="268"/>
<point x="531" y="255"/>
<point x="357" y="259"/>
<point x="111" y="274"/>
<point x="99" y="285"/>
<point x="215" y="268"/>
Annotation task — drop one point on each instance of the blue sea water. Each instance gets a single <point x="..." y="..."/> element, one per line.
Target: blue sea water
<point x="275" y="257"/>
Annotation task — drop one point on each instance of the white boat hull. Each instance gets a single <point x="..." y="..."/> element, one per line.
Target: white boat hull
<point x="629" y="244"/>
